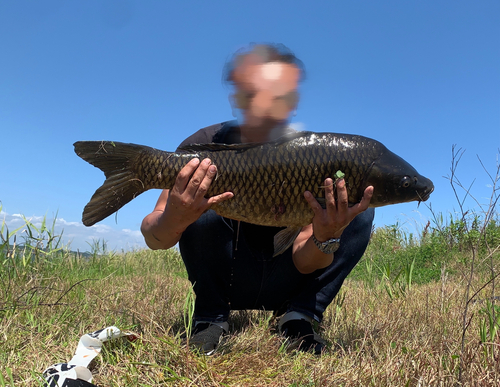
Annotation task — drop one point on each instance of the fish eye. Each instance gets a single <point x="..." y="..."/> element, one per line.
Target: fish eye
<point x="406" y="182"/>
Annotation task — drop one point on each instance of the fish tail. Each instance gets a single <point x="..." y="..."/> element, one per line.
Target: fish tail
<point x="119" y="162"/>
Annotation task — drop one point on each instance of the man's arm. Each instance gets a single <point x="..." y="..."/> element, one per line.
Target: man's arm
<point x="327" y="223"/>
<point x="177" y="208"/>
<point x="157" y="233"/>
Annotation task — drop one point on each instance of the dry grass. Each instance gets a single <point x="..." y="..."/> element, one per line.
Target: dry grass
<point x="413" y="340"/>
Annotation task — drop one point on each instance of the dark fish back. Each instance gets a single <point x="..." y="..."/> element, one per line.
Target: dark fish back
<point x="270" y="179"/>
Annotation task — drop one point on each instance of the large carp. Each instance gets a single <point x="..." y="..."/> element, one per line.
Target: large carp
<point x="268" y="180"/>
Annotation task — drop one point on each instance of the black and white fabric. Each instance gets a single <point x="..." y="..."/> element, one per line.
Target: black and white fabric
<point x="75" y="373"/>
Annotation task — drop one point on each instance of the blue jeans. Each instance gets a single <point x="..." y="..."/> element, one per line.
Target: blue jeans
<point x="232" y="268"/>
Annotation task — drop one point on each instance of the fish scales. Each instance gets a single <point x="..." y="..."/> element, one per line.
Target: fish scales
<point x="265" y="186"/>
<point x="268" y="180"/>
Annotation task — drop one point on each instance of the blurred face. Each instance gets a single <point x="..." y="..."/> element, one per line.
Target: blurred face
<point x="266" y="93"/>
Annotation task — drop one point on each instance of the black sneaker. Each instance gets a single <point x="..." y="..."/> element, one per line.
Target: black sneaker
<point x="206" y="337"/>
<point x="302" y="336"/>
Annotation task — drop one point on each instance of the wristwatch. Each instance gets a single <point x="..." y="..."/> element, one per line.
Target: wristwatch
<point x="327" y="247"/>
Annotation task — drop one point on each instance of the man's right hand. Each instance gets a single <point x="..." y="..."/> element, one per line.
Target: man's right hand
<point x="186" y="201"/>
<point x="177" y="208"/>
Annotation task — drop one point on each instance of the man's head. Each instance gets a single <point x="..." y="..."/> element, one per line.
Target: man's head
<point x="265" y="79"/>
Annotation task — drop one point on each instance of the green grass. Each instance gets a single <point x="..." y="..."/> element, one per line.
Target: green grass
<point x="396" y="321"/>
<point x="442" y="247"/>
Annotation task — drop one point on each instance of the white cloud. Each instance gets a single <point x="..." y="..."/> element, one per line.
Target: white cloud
<point x="76" y="235"/>
<point x="63" y="222"/>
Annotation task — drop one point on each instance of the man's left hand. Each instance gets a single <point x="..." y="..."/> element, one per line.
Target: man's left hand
<point x="330" y="222"/>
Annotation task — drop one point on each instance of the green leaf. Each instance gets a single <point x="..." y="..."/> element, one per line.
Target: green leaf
<point x="339" y="175"/>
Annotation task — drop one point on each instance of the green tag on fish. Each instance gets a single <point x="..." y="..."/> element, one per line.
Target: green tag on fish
<point x="339" y="175"/>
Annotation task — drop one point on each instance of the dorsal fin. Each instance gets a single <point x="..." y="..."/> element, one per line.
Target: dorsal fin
<point x="215" y="147"/>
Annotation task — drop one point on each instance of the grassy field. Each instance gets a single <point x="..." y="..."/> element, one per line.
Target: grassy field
<point x="415" y="312"/>
<point x="418" y="310"/>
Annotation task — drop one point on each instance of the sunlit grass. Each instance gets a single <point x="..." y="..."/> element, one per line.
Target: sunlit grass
<point x="405" y="336"/>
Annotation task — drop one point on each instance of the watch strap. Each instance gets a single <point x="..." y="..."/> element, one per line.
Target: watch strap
<point x="327" y="247"/>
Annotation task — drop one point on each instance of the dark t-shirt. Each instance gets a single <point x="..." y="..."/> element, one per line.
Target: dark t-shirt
<point x="206" y="135"/>
<point x="260" y="239"/>
<point x="227" y="132"/>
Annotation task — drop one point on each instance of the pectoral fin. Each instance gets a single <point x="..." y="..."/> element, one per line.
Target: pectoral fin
<point x="284" y="239"/>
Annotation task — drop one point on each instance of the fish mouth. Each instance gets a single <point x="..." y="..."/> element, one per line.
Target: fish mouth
<point x="425" y="194"/>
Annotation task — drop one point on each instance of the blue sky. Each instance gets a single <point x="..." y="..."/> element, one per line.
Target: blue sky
<point x="419" y="76"/>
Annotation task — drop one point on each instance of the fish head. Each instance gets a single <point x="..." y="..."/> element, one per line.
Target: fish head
<point x="395" y="181"/>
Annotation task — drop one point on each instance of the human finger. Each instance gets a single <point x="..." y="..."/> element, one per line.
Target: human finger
<point x="197" y="178"/>
<point x="182" y="179"/>
<point x="210" y="174"/>
<point x="219" y="198"/>
<point x="342" y="199"/>
<point x="313" y="203"/>
<point x="364" y="202"/>
<point x="329" y="196"/>
<point x="367" y="197"/>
